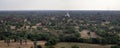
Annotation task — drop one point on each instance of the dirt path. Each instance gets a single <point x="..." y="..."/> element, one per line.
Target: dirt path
<point x="81" y="45"/>
<point x="17" y="45"/>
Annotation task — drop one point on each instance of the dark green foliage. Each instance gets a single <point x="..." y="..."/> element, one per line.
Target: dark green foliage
<point x="118" y="43"/>
<point x="69" y="38"/>
<point x="69" y="30"/>
<point x="50" y="47"/>
<point x="75" y="46"/>
<point x="33" y="36"/>
<point x="62" y="47"/>
<point x="115" y="46"/>
<point x="39" y="46"/>
<point x="51" y="41"/>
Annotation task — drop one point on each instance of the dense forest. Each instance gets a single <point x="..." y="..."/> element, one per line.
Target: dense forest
<point x="94" y="27"/>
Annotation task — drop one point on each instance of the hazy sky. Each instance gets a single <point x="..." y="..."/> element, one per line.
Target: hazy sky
<point x="59" y="4"/>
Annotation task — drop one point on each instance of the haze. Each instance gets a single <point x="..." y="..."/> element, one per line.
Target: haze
<point x="59" y="4"/>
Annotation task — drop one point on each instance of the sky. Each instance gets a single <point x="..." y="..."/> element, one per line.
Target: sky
<point x="59" y="4"/>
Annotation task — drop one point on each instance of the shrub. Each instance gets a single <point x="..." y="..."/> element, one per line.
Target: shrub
<point x="51" y="41"/>
<point x="50" y="47"/>
<point x="39" y="46"/>
<point x="62" y="47"/>
<point x="75" y="46"/>
<point x="115" y="46"/>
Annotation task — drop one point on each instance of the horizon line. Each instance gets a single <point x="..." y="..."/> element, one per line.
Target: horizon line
<point x="59" y="10"/>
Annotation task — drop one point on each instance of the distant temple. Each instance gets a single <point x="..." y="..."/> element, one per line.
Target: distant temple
<point x="67" y="14"/>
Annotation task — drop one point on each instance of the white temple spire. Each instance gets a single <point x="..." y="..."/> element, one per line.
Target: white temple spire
<point x="67" y="14"/>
